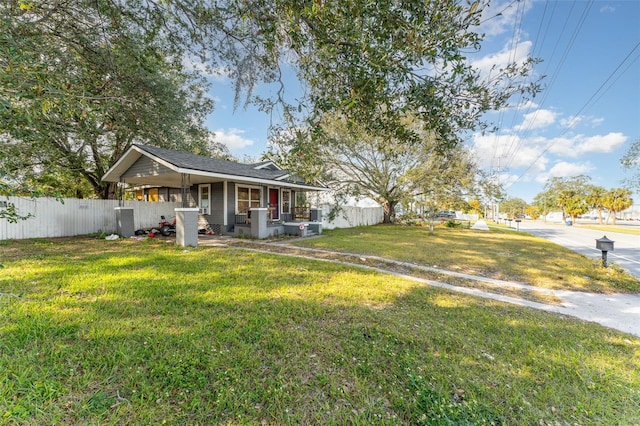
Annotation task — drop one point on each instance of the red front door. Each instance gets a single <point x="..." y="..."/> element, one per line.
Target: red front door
<point x="274" y="207"/>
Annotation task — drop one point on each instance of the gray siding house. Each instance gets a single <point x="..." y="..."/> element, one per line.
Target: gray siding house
<point x="225" y="192"/>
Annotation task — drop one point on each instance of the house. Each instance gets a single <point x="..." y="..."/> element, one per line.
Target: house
<point x="224" y="192"/>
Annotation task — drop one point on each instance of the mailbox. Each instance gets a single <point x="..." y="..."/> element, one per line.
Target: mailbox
<point x="604" y="244"/>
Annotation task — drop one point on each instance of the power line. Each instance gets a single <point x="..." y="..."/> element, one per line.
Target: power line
<point x="554" y="76"/>
<point x="588" y="102"/>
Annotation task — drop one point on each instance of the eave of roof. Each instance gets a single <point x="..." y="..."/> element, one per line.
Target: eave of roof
<point x="199" y="168"/>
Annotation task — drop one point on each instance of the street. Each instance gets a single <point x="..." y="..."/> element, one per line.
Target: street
<point x="626" y="253"/>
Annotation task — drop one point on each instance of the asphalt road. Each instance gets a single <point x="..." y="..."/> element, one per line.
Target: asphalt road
<point x="626" y="253"/>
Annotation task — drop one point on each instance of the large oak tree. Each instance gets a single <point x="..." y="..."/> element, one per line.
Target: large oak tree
<point x="84" y="79"/>
<point x="79" y="85"/>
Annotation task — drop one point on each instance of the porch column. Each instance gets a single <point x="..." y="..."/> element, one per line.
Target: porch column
<point x="316" y="215"/>
<point x="187" y="226"/>
<point x="259" y="223"/>
<point x="124" y="221"/>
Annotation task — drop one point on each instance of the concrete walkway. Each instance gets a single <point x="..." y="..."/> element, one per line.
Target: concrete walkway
<point x="616" y="311"/>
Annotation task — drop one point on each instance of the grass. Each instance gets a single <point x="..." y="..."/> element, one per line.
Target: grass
<point x="631" y="230"/>
<point x="126" y="332"/>
<point x="500" y="254"/>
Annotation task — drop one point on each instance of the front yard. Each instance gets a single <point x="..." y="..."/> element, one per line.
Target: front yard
<point x="500" y="254"/>
<point x="129" y="332"/>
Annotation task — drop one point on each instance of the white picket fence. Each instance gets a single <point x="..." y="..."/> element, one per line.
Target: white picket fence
<point x="70" y="216"/>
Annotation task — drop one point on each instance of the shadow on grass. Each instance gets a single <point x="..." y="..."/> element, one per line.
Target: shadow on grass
<point x="223" y="336"/>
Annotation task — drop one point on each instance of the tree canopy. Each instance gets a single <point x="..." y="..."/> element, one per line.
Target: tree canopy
<point x="83" y="80"/>
<point x="514" y="207"/>
<point x="80" y="84"/>
<point x="631" y="162"/>
<point x="356" y="163"/>
<point x="576" y="195"/>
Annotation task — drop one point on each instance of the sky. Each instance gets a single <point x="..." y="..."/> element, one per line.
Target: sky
<point x="582" y="123"/>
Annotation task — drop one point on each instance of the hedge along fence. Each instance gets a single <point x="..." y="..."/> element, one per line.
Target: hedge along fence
<point x="68" y="217"/>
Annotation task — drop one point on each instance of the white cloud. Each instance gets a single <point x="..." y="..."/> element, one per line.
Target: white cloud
<point x="503" y="58"/>
<point x="601" y="143"/>
<point x="537" y="119"/>
<point x="500" y="17"/>
<point x="580" y="145"/>
<point x="572" y="121"/>
<point x="589" y="121"/>
<point x="232" y="138"/>
<point x="500" y="151"/>
<point x="565" y="169"/>
<point x="526" y="104"/>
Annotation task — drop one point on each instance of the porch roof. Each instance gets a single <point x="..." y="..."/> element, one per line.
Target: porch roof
<point x="150" y="165"/>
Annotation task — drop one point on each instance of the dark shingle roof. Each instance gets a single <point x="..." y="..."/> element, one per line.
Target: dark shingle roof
<point x="189" y="161"/>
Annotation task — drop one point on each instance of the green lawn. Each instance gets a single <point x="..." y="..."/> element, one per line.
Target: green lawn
<point x="126" y="332"/>
<point x="500" y="254"/>
<point x="621" y="229"/>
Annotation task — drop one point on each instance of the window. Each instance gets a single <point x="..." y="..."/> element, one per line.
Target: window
<point x="286" y="201"/>
<point x="204" y="198"/>
<point x="153" y="195"/>
<point x="247" y="198"/>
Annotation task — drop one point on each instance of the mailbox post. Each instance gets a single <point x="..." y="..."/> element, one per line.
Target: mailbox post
<point x="605" y="245"/>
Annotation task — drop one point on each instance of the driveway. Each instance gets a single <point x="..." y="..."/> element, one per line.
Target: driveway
<point x="626" y="253"/>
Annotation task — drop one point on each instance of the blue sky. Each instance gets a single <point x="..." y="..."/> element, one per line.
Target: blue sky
<point x="582" y="123"/>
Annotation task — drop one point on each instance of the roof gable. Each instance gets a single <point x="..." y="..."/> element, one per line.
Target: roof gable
<point x="185" y="160"/>
<point x="150" y="165"/>
<point x="268" y="165"/>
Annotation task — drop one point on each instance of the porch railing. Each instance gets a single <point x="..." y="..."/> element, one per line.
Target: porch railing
<point x="297" y="214"/>
<point x="242" y="219"/>
<point x="302" y="213"/>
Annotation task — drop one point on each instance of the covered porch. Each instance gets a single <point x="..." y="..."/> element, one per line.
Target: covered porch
<point x="226" y="198"/>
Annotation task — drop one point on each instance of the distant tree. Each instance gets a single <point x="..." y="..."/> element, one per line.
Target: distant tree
<point x="534" y="211"/>
<point x="444" y="180"/>
<point x="544" y="202"/>
<point x="475" y="206"/>
<point x="595" y="199"/>
<point x="513" y="207"/>
<point x="631" y="162"/>
<point x="569" y="194"/>
<point x="355" y="163"/>
<point x="616" y="200"/>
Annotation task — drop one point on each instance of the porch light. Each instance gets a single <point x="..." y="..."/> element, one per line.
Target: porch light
<point x="605" y="245"/>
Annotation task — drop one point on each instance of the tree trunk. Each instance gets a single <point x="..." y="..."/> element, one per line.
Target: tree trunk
<point x="389" y="210"/>
<point x="107" y="191"/>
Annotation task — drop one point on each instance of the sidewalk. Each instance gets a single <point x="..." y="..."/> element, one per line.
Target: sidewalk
<point x="617" y="311"/>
